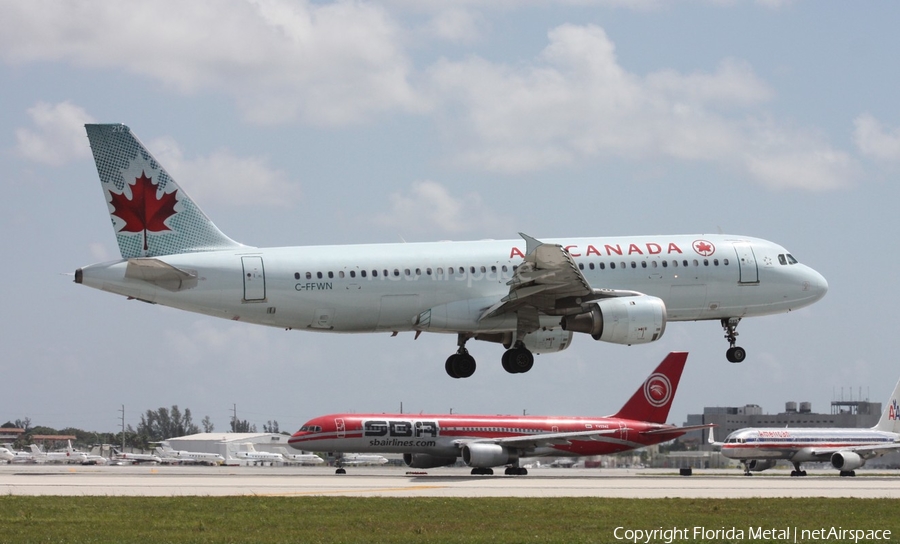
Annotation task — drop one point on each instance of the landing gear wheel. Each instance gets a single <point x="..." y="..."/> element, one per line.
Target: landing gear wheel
<point x="482" y="471"/>
<point x="516" y="471"/>
<point x="460" y="365"/>
<point x="464" y="365"/>
<point x="736" y="354"/>
<point x="340" y="471"/>
<point x="448" y="366"/>
<point x="517" y="360"/>
<point x="850" y="473"/>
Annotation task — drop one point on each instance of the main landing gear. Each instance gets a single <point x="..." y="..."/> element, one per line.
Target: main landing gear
<point x="516" y="360"/>
<point x="798" y="471"/>
<point x="510" y="471"/>
<point x="460" y="364"/>
<point x="734" y="354"/>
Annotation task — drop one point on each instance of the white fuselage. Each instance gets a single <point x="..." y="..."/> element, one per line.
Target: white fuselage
<point x="800" y="444"/>
<point x="385" y="287"/>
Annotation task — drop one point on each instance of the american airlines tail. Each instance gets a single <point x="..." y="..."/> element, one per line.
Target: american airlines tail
<point x="890" y="417"/>
<point x="651" y="402"/>
<point x="151" y="214"/>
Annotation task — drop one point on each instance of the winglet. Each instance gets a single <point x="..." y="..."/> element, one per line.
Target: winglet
<point x="530" y="243"/>
<point x="652" y="400"/>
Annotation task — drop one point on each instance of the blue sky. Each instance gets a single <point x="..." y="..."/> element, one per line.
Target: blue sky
<point x="296" y="123"/>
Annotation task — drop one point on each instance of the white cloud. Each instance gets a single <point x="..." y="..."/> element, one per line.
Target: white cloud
<point x="57" y="136"/>
<point x="429" y="203"/>
<point x="331" y="64"/>
<point x="576" y="102"/>
<point x="223" y="177"/>
<point x="873" y="140"/>
<point x="456" y="25"/>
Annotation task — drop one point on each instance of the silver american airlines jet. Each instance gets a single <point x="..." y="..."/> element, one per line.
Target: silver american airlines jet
<point x="760" y="448"/>
<point x="528" y="295"/>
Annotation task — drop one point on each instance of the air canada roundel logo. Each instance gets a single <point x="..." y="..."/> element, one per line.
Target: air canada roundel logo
<point x="704" y="248"/>
<point x="657" y="390"/>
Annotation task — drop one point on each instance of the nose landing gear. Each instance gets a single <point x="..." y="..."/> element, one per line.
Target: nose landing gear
<point x="735" y="354"/>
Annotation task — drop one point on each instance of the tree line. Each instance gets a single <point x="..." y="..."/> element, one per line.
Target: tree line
<point x="155" y="426"/>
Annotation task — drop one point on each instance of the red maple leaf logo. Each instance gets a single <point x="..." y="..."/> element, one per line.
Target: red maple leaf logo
<point x="704" y="248"/>
<point x="144" y="212"/>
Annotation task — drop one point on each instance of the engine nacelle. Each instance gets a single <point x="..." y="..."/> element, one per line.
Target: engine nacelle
<point x="846" y="460"/>
<point x="488" y="455"/>
<point x="423" y="460"/>
<point x="548" y="341"/>
<point x="622" y="320"/>
<point x="758" y="465"/>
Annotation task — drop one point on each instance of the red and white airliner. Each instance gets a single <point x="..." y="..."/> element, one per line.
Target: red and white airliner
<point x="484" y="442"/>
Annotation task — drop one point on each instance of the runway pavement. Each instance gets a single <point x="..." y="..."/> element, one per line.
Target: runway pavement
<point x="72" y="480"/>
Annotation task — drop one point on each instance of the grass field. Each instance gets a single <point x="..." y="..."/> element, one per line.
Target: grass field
<point x="336" y="519"/>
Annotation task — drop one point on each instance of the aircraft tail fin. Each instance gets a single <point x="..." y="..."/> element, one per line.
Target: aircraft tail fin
<point x="151" y="214"/>
<point x="890" y="418"/>
<point x="652" y="400"/>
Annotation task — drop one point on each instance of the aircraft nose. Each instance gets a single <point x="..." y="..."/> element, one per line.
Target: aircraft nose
<point x="819" y="284"/>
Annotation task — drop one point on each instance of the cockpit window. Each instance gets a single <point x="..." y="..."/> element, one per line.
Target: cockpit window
<point x="311" y="429"/>
<point x="781" y="259"/>
<point x="791" y="259"/>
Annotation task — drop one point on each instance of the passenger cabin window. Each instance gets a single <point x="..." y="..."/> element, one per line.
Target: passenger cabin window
<point x="309" y="275"/>
<point x="319" y="275"/>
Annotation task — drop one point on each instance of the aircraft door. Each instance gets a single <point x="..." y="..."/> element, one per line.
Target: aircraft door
<point x="254" y="279"/>
<point x="623" y="431"/>
<point x="746" y="262"/>
<point x="340" y="427"/>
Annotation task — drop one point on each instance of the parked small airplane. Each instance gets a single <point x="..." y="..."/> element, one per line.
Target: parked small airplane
<point x="760" y="448"/>
<point x="165" y="451"/>
<point x="248" y="453"/>
<point x="484" y="442"/>
<point x="12" y="456"/>
<point x="530" y="296"/>
<point x="299" y="458"/>
<point x="68" y="456"/>
<point x="136" y="458"/>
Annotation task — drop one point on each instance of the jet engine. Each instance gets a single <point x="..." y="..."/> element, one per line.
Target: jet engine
<point x="622" y="320"/>
<point x="488" y="455"/>
<point x="846" y="460"/>
<point x="547" y="341"/>
<point x="423" y="460"/>
<point x="757" y="465"/>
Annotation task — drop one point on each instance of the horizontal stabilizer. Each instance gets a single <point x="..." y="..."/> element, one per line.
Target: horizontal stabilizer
<point x="160" y="274"/>
<point x="679" y="430"/>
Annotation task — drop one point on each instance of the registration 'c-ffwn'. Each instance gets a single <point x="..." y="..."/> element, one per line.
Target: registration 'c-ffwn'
<point x="527" y="294"/>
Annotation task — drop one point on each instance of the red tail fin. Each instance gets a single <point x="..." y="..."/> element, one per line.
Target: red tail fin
<point x="653" y="398"/>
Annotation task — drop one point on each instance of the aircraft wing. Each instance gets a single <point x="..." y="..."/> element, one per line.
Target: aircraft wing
<point x="865" y="452"/>
<point x="548" y="281"/>
<point x="543" y="439"/>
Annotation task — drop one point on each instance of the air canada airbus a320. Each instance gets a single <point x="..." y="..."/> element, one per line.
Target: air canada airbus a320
<point x="528" y="295"/>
